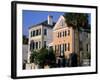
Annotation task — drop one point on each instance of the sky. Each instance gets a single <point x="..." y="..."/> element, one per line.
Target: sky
<point x="31" y="17"/>
<point x="34" y="17"/>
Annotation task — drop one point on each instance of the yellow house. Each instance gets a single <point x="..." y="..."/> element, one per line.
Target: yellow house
<point x="64" y="40"/>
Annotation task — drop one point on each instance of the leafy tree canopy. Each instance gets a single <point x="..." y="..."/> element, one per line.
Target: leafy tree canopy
<point x="43" y="56"/>
<point x="77" y="20"/>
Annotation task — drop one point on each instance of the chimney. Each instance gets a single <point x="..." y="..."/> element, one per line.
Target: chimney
<point x="50" y="21"/>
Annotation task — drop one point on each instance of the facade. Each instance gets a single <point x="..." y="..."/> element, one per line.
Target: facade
<point x="40" y="35"/>
<point x="63" y="39"/>
<point x="66" y="41"/>
<point x="85" y="48"/>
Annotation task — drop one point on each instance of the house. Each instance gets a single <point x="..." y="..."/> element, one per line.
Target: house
<point x="40" y="35"/>
<point x="66" y="41"/>
<point x="63" y="39"/>
<point x="85" y="48"/>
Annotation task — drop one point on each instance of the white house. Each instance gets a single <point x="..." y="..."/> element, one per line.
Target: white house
<point x="40" y="35"/>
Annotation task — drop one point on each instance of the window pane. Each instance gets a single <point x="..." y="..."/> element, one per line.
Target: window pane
<point x="39" y="44"/>
<point x="60" y="34"/>
<point x="68" y="46"/>
<point x="87" y="47"/>
<point x="60" y="49"/>
<point x="36" y="32"/>
<point x="36" y="45"/>
<point x="33" y="33"/>
<point x="45" y="31"/>
<point x="68" y="32"/>
<point x="65" y="47"/>
<point x="65" y="33"/>
<point x="44" y="44"/>
<point x="33" y="45"/>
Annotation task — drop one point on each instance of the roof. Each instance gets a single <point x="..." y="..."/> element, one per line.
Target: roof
<point x="44" y="23"/>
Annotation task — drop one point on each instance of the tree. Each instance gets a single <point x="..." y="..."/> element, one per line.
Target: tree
<point x="25" y="40"/>
<point x="33" y="56"/>
<point x="51" y="58"/>
<point x="77" y="21"/>
<point x="43" y="57"/>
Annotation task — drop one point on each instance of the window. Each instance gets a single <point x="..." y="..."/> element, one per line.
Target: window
<point x="60" y="34"/>
<point x="44" y="44"/>
<point x="32" y="45"/>
<point x="39" y="44"/>
<point x="81" y="46"/>
<point x="60" y="49"/>
<point x="87" y="47"/>
<point x="65" y="47"/>
<point x="45" y="31"/>
<point x="36" y="45"/>
<point x="36" y="32"/>
<point x="65" y="33"/>
<point x="33" y="33"/>
<point x="68" y="46"/>
<point x="68" y="32"/>
<point x="57" y="48"/>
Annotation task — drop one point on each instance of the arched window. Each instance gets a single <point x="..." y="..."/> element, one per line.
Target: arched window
<point x="32" y="45"/>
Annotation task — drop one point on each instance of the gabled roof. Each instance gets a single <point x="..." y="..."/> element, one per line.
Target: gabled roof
<point x="44" y="23"/>
<point x="57" y="25"/>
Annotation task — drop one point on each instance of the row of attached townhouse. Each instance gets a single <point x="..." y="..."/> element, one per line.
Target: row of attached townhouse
<point x="62" y="37"/>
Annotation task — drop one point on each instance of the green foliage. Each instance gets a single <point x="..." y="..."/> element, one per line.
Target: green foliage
<point x="33" y="56"/>
<point x="43" y="56"/>
<point x="52" y="57"/>
<point x="77" y="20"/>
<point x="25" y="40"/>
